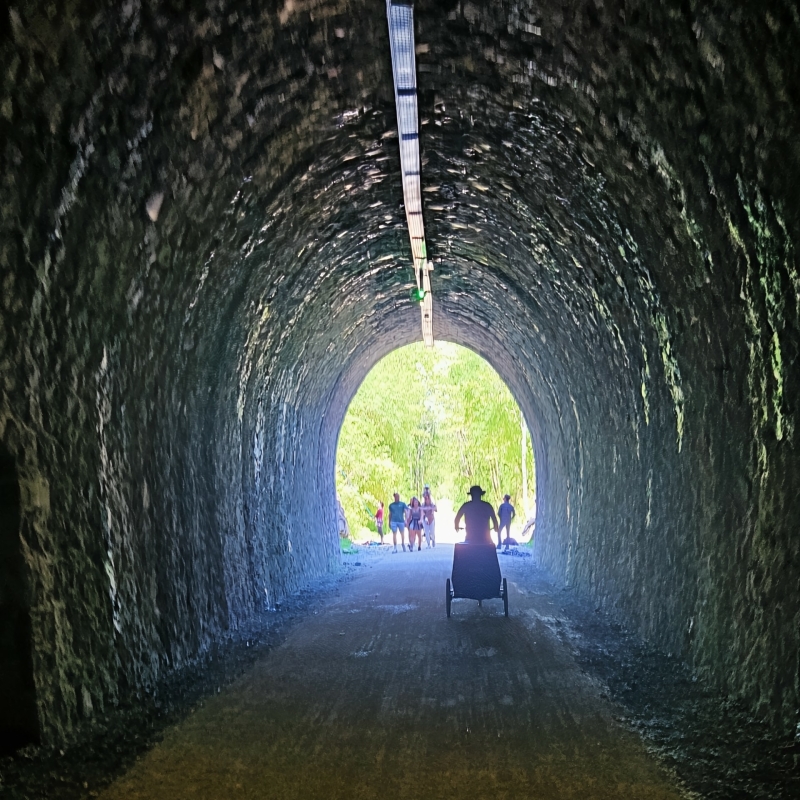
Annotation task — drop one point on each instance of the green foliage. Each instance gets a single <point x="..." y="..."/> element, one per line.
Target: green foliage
<point x="347" y="547"/>
<point x="440" y="416"/>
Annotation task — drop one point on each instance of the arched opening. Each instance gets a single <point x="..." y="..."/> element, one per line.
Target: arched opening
<point x="441" y="418"/>
<point x="205" y="252"/>
<point x="19" y="723"/>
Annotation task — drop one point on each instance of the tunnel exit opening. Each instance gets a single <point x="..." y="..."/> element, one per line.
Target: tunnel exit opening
<point x="440" y="417"/>
<point x="19" y="723"/>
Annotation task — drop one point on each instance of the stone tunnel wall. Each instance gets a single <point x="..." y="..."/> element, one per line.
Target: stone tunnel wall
<point x="203" y="251"/>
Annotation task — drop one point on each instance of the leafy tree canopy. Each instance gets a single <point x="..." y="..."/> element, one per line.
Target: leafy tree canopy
<point x="437" y="415"/>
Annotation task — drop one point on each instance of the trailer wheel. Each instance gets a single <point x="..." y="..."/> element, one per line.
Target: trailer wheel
<point x="448" y="595"/>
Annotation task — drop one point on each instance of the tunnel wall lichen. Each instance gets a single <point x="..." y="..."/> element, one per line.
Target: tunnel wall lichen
<point x="203" y="250"/>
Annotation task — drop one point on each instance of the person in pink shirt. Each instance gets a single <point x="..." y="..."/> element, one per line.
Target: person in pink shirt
<point x="379" y="520"/>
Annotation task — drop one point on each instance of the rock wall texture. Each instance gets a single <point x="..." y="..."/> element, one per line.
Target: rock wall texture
<point x="203" y="251"/>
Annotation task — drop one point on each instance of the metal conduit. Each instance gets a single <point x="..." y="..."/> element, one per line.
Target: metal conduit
<point x="404" y="69"/>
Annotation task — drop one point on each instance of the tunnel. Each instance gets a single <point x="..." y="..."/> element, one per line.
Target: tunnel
<point x="204" y="252"/>
<point x="18" y="711"/>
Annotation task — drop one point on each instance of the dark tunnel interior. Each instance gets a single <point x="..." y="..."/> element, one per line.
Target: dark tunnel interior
<point x="204" y="251"/>
<point x="18" y="714"/>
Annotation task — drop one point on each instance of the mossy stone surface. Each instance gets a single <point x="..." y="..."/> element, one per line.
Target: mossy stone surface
<point x="610" y="203"/>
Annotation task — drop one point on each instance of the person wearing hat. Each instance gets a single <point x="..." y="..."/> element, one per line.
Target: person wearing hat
<point x="477" y="514"/>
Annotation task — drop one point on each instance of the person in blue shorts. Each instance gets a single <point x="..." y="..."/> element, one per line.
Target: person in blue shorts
<point x="397" y="520"/>
<point x="414" y="519"/>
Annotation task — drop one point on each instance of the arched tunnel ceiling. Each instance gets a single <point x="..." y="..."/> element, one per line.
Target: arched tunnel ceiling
<point x="204" y="252"/>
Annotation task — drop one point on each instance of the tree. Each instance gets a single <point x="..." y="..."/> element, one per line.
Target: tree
<point x="428" y="415"/>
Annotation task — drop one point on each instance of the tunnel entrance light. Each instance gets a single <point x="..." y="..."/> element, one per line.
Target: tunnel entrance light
<point x="400" y="14"/>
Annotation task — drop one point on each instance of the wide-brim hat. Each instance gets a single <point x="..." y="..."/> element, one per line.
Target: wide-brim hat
<point x="473" y="490"/>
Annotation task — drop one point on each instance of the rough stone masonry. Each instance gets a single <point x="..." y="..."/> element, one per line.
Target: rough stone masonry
<point x="203" y="252"/>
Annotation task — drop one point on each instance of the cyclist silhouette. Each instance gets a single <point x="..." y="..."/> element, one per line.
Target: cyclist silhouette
<point x="477" y="514"/>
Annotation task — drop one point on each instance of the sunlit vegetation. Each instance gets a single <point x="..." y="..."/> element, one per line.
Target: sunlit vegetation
<point x="440" y="416"/>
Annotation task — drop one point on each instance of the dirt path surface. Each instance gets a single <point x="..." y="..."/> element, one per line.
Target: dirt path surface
<point x="380" y="695"/>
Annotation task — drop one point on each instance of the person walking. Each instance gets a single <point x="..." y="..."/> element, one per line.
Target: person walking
<point x="428" y="519"/>
<point x="414" y="520"/>
<point x="379" y="520"/>
<point x="506" y="513"/>
<point x="477" y="515"/>
<point x="397" y="520"/>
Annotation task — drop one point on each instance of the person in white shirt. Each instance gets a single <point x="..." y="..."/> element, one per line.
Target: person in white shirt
<point x="428" y="519"/>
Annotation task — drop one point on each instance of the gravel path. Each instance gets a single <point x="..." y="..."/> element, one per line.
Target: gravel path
<point x="378" y="694"/>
